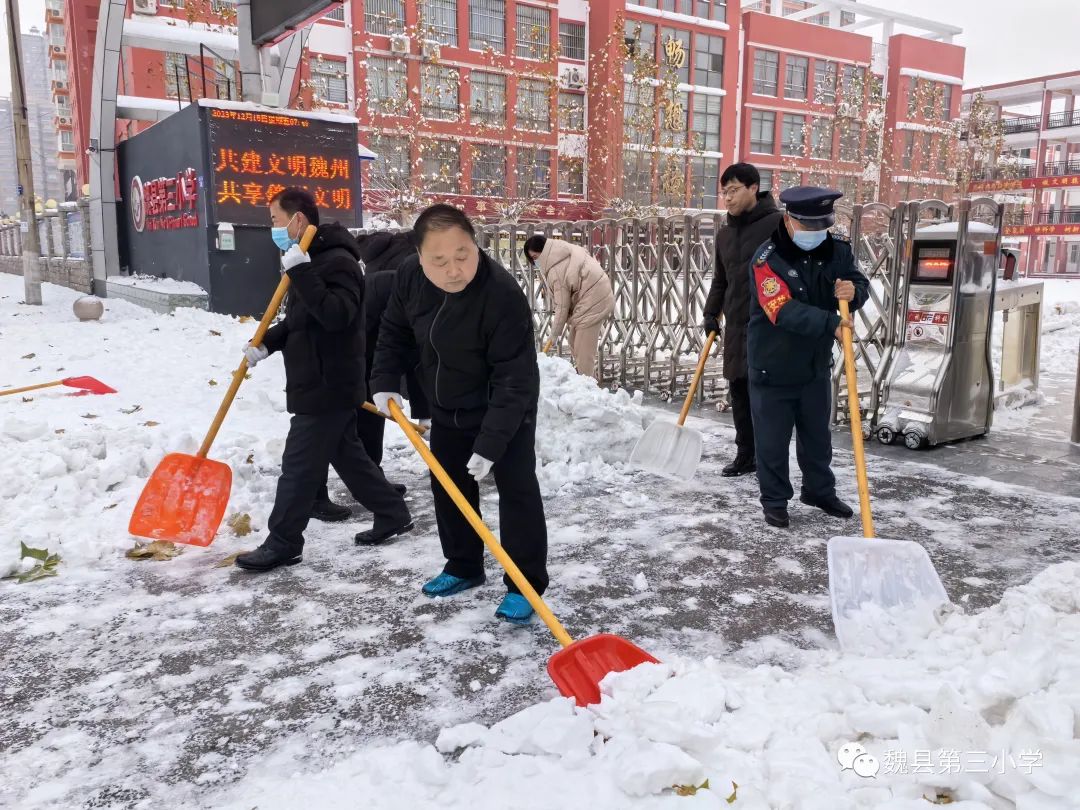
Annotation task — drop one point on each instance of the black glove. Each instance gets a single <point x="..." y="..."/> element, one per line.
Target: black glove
<point x="710" y="325"/>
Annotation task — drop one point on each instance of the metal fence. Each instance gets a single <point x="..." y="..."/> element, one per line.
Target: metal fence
<point x="661" y="269"/>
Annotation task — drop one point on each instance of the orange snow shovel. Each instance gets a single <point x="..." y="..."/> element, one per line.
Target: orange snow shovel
<point x="185" y="498"/>
<point x="881" y="590"/>
<point x="673" y="449"/>
<point x="88" y="385"/>
<point x="578" y="668"/>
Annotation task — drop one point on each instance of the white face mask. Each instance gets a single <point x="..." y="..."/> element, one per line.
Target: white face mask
<point x="808" y="240"/>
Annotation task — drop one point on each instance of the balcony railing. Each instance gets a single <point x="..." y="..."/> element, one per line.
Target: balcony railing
<point x="1005" y="173"/>
<point x="1061" y="167"/>
<point x="1063" y="119"/>
<point x="1029" y="123"/>
<point x="1058" y="216"/>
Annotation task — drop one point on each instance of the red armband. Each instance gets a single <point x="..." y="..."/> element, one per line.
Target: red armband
<point x="772" y="292"/>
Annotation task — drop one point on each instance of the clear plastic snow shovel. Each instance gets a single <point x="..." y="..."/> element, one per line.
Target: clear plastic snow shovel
<point x="882" y="591"/>
<point x="673" y="448"/>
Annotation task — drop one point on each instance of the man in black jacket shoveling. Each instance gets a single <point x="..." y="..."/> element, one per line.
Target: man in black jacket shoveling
<point x="322" y="341"/>
<point x="752" y="216"/>
<point x="462" y="322"/>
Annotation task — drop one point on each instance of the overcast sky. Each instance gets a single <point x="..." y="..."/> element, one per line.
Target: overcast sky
<point x="1005" y="39"/>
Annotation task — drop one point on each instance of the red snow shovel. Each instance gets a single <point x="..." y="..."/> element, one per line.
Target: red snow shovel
<point x="185" y="498"/>
<point x="578" y="668"/>
<point x="88" y="385"/>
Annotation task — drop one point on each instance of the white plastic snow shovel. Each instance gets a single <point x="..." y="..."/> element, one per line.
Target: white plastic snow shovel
<point x="673" y="448"/>
<point x="883" y="592"/>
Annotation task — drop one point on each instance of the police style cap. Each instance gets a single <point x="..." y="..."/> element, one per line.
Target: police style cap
<point x="811" y="205"/>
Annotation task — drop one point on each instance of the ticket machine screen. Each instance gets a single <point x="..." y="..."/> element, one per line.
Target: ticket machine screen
<point x="934" y="264"/>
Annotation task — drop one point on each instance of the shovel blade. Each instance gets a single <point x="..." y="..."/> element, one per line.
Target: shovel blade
<point x="183" y="501"/>
<point x="884" y="593"/>
<point x="668" y="448"/>
<point x="89" y="385"/>
<point x="578" y="669"/>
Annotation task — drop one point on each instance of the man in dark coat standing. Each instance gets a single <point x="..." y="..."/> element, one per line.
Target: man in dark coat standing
<point x="752" y="216"/>
<point x="322" y="342"/>
<point x="798" y="278"/>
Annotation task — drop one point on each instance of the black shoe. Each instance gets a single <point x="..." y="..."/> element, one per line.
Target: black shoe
<point x="830" y="505"/>
<point x="740" y="466"/>
<point x="378" y="535"/>
<point x="776" y="516"/>
<point x="330" y="512"/>
<point x="265" y="558"/>
<point x="400" y="489"/>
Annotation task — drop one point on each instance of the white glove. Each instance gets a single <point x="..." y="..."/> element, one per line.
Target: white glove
<point x="294" y="256"/>
<point x="424" y="423"/>
<point x="479" y="466"/>
<point x="254" y="354"/>
<point x="382" y="400"/>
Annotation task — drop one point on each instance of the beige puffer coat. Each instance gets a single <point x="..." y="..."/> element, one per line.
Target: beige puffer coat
<point x="581" y="288"/>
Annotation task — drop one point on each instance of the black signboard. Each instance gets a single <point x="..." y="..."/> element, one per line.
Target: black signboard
<point x="272" y="19"/>
<point x="254" y="155"/>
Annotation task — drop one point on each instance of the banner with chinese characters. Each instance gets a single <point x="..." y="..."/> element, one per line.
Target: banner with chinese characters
<point x="983" y="186"/>
<point x="1057" y="229"/>
<point x="254" y="155"/>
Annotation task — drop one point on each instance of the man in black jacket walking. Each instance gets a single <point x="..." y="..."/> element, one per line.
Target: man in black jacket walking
<point x="322" y="341"/>
<point x="462" y="322"/>
<point x="752" y="216"/>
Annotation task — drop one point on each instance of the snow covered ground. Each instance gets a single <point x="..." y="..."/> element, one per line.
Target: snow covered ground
<point x="335" y="684"/>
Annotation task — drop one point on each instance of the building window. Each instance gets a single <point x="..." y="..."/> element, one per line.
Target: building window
<point x="637" y="176"/>
<point x="675" y="53"/>
<point x="946" y="102"/>
<point x="487" y="98"/>
<point x="571" y="176"/>
<point x="438" y="21"/>
<point x="766" y="180"/>
<point x="708" y="61"/>
<point x="711" y="10"/>
<point x="334" y="13"/>
<point x="766" y="69"/>
<point x="572" y="40"/>
<point x="824" y="82"/>
<point x="639" y="113"/>
<point x="790" y="180"/>
<point x="796" y="75"/>
<point x="850" y="141"/>
<point x="331" y="83"/>
<point x="793" y="135"/>
<point x="175" y="73"/>
<point x="849" y="185"/>
<point x="819" y="179"/>
<point x="533" y="173"/>
<point x="533" y="32"/>
<point x="387" y="85"/>
<point x="229" y="6"/>
<point x="533" y="108"/>
<point x="224" y="74"/>
<point x="942" y="155"/>
<point x="439" y="92"/>
<point x="63" y="106"/>
<point x="442" y="167"/>
<point x="572" y="111"/>
<point x="821" y="138"/>
<point x="56" y="35"/>
<point x="392" y="169"/>
<point x="489" y="170"/>
<point x="707" y="122"/>
<point x="907" y="157"/>
<point x="704" y="183"/>
<point x="384" y="17"/>
<point x="640" y="41"/>
<point x="854" y="79"/>
<point x="763" y="132"/>
<point x="487" y="25"/>
<point x="67" y="141"/>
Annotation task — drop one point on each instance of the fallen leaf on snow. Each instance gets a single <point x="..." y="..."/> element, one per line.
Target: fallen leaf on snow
<point x="240" y="523"/>
<point x="250" y="459"/>
<point x="46" y="565"/>
<point x="150" y="424"/>
<point x="213" y="383"/>
<point x="89" y="416"/>
<point x="30" y="356"/>
<point x="158" y="550"/>
<point x="215" y="333"/>
<point x="228" y="561"/>
<point x="136" y="409"/>
<point x="27" y="399"/>
<point x="59" y="431"/>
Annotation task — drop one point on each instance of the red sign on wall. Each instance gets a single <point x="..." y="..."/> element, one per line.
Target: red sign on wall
<point x="1026" y="183"/>
<point x="1059" y="229"/>
<point x="165" y="204"/>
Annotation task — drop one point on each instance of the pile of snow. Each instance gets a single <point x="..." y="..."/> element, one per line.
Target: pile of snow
<point x="984" y="711"/>
<point x="163" y="285"/>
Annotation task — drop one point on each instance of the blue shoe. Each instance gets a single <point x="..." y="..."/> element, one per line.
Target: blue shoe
<point x="447" y="584"/>
<point x="515" y="609"/>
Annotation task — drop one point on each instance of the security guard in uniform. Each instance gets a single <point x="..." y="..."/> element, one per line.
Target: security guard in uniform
<point x="798" y="278"/>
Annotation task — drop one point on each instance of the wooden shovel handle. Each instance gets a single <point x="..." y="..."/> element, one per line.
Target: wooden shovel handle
<point x="26" y="388"/>
<point x="855" y="411"/>
<point x="367" y="406"/>
<point x="492" y="544"/>
<point x="547" y="346"/>
<point x="260" y="333"/>
<point x="697" y="378"/>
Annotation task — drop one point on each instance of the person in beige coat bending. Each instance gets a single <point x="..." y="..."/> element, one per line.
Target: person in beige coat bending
<point x="583" y="296"/>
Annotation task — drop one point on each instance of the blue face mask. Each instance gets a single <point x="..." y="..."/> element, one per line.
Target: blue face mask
<point x="808" y="240"/>
<point x="281" y="237"/>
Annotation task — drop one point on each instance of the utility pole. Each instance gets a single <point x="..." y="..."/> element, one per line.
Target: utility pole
<point x="31" y="246"/>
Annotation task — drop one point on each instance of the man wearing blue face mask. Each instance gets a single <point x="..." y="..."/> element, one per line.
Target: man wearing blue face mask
<point x="798" y="278"/>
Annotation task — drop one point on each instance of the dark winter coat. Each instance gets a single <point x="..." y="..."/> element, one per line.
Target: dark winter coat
<point x="474" y="352"/>
<point x="383" y="253"/>
<point x="322" y="335"/>
<point x="793" y="312"/>
<point x="730" y="292"/>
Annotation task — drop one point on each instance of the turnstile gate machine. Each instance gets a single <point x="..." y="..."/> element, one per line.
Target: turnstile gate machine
<point x="940" y="386"/>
